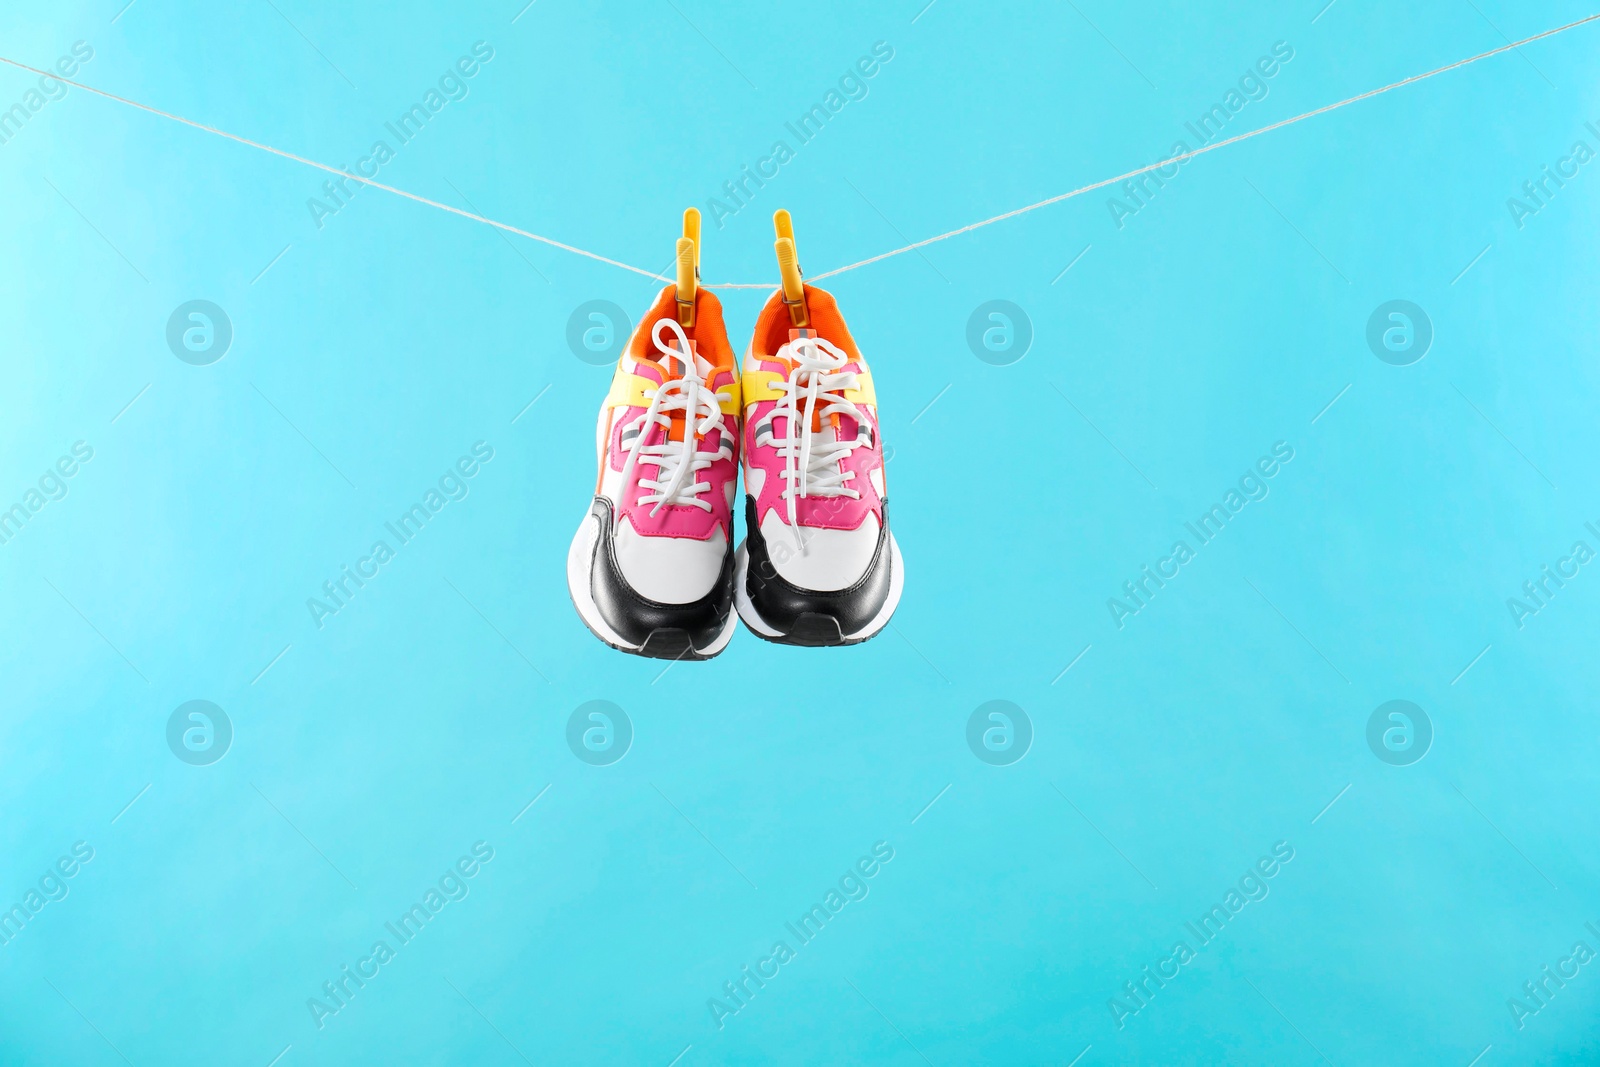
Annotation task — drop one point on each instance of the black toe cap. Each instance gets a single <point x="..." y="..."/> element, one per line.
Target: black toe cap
<point x="810" y="616"/>
<point x="661" y="630"/>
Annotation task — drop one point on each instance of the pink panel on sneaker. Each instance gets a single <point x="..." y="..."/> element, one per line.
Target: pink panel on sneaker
<point x="615" y="453"/>
<point x="675" y="520"/>
<point x="830" y="513"/>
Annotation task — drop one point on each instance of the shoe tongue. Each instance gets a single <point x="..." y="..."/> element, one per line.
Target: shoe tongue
<point x="787" y="360"/>
<point x="817" y="424"/>
<point x="796" y="334"/>
<point x="673" y="366"/>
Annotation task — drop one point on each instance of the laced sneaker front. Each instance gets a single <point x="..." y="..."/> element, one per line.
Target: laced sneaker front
<point x="682" y="405"/>
<point x="812" y="407"/>
<point x="650" y="569"/>
<point x="820" y="565"/>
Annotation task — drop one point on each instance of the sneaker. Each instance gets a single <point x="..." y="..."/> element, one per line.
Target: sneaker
<point x="819" y="565"/>
<point x="651" y="568"/>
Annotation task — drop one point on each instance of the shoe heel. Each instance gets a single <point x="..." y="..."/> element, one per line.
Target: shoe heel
<point x="814" y="630"/>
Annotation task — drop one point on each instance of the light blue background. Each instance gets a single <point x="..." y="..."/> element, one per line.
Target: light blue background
<point x="428" y="713"/>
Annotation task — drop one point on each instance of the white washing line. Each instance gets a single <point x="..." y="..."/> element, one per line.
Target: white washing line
<point x="507" y="227"/>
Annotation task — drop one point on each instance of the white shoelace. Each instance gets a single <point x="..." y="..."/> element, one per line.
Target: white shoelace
<point x="678" y="465"/>
<point x="812" y="465"/>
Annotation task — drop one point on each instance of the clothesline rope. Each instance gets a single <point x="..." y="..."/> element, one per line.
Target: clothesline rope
<point x="1182" y="157"/>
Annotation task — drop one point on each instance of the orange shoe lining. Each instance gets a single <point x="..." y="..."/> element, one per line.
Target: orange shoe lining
<point x="773" y="327"/>
<point x="708" y="336"/>
<point x="708" y="333"/>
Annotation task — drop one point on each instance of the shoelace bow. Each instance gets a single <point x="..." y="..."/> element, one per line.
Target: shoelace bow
<point x="812" y="467"/>
<point x="676" y="463"/>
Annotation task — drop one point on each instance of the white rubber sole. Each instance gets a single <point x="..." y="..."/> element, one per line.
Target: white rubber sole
<point x="752" y="618"/>
<point x="580" y="564"/>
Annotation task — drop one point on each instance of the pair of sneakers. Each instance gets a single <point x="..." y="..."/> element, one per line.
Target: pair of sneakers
<point x="653" y="570"/>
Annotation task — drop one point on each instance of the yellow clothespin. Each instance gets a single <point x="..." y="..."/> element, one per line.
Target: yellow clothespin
<point x="688" y="266"/>
<point x="794" y="291"/>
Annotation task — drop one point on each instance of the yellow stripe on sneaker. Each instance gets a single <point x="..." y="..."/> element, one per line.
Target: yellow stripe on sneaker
<point x="762" y="385"/>
<point x="628" y="391"/>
